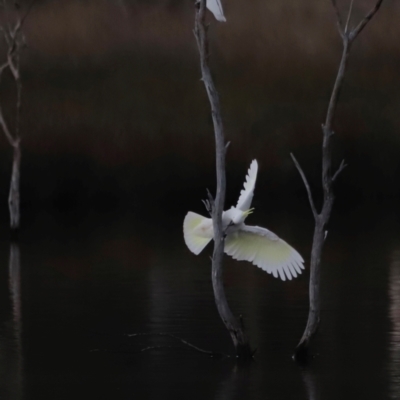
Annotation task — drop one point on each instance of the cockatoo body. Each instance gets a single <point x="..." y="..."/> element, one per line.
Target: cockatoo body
<point x="243" y="242"/>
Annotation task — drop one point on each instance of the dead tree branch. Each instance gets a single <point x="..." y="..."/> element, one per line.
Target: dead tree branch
<point x="306" y="184"/>
<point x="238" y="336"/>
<point x="342" y="166"/>
<point x="357" y="30"/>
<point x="183" y="341"/>
<point x="346" y="28"/>
<point x="348" y="36"/>
<point x="339" y="18"/>
<point x="6" y="131"/>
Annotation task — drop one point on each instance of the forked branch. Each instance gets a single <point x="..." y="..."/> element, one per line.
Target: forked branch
<point x="14" y="40"/>
<point x="348" y="35"/>
<point x="361" y="25"/>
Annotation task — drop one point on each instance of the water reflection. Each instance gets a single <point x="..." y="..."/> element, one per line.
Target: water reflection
<point x="310" y="384"/>
<point x="11" y="362"/>
<point x="394" y="293"/>
<point x="236" y="385"/>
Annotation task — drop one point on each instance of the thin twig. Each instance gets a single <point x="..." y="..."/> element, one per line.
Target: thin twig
<point x="19" y="101"/>
<point x="305" y="181"/>
<point x="183" y="341"/>
<point x="346" y="28"/>
<point x="209" y="203"/>
<point x="158" y="348"/>
<point x="340" y="169"/>
<point x="208" y="207"/>
<point x="6" y="131"/>
<point x="5" y="35"/>
<point x="339" y="18"/>
<point x="12" y="38"/>
<point x="357" y="30"/>
<point x="13" y="32"/>
<point x="30" y="6"/>
<point x="210" y="199"/>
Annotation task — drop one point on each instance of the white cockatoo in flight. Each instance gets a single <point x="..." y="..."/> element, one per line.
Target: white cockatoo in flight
<point x="215" y="7"/>
<point x="243" y="242"/>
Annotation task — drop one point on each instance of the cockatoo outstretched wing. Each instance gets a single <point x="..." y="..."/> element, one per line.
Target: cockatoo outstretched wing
<point x="246" y="195"/>
<point x="266" y="250"/>
<point x="215" y="7"/>
<point x="197" y="232"/>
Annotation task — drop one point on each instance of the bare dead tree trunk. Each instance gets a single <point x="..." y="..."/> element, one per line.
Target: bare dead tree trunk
<point x="14" y="40"/>
<point x="14" y="195"/>
<point x="234" y="327"/>
<point x="321" y="219"/>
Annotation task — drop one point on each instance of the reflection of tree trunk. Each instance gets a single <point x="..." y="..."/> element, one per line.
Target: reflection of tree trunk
<point x="236" y="385"/>
<point x="15" y="291"/>
<point x="310" y="384"/>
<point x="11" y="364"/>
<point x="13" y="198"/>
<point x="14" y="267"/>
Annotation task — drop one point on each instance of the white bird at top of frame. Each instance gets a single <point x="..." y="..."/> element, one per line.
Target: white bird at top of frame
<point x="215" y="7"/>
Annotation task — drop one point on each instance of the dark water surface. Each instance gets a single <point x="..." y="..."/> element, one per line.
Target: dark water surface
<point x="71" y="292"/>
<point x="115" y="116"/>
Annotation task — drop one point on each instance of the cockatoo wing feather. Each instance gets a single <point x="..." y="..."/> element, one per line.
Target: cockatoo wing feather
<point x="197" y="232"/>
<point x="265" y="250"/>
<point x="215" y="7"/>
<point x="246" y="195"/>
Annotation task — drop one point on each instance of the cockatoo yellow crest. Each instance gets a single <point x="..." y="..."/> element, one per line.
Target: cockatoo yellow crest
<point x="243" y="242"/>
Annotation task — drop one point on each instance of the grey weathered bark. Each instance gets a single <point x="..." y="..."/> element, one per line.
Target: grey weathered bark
<point x="321" y="219"/>
<point x="235" y="328"/>
<point x="14" y="41"/>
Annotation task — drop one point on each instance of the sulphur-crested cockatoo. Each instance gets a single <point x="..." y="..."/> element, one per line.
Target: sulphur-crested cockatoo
<point x="215" y="7"/>
<point x="243" y="242"/>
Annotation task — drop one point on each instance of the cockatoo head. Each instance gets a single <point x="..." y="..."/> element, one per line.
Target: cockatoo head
<point x="235" y="216"/>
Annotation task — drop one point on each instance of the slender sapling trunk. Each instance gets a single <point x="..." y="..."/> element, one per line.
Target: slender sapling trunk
<point x="235" y="328"/>
<point x="322" y="218"/>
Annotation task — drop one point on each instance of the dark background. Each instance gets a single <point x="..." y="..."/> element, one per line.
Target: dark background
<point x="115" y="114"/>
